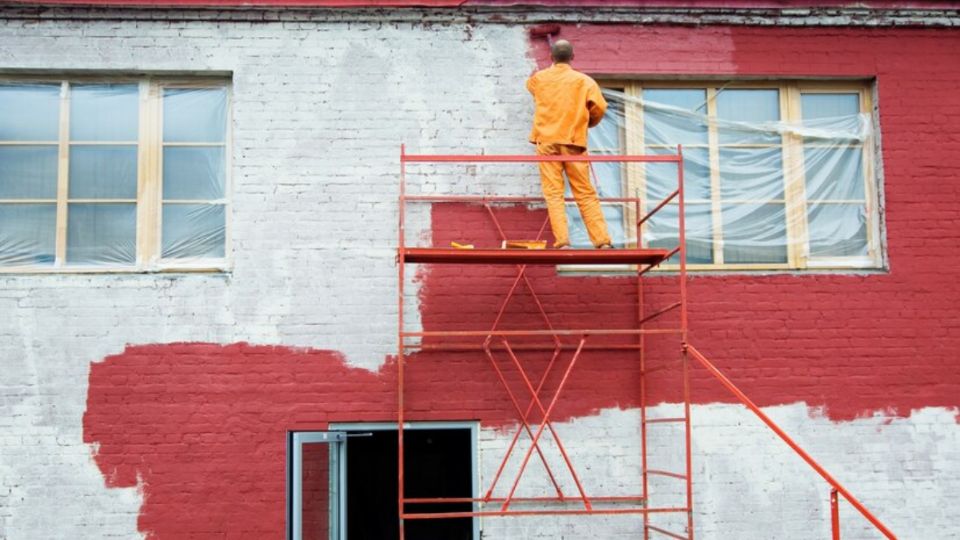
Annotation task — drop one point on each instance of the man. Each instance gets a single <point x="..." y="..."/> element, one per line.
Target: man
<point x="567" y="102"/>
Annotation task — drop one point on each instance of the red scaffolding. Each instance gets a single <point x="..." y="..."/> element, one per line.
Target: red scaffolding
<point x="494" y="337"/>
<point x="644" y="259"/>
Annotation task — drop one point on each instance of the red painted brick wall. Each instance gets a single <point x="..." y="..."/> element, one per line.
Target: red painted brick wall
<point x="854" y="343"/>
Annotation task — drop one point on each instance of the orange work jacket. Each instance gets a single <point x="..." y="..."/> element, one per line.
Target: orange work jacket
<point x="567" y="102"/>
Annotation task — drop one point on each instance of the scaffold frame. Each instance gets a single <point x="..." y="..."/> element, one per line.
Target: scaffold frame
<point x="643" y="259"/>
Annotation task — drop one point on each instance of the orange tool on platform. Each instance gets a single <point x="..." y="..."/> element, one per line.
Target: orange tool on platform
<point x="524" y="244"/>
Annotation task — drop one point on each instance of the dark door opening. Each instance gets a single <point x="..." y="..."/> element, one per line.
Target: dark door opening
<point x="438" y="464"/>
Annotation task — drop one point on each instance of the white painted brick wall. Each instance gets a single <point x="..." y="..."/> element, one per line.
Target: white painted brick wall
<point x="747" y="482"/>
<point x="319" y="113"/>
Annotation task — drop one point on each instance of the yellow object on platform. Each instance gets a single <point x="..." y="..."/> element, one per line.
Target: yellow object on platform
<point x="525" y="244"/>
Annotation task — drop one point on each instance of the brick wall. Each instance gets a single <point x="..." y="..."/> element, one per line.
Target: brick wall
<point x="123" y="394"/>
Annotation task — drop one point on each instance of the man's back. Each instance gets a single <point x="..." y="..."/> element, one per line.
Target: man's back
<point x="567" y="102"/>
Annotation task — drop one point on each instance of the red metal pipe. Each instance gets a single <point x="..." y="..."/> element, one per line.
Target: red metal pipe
<point x="665" y="420"/>
<point x="652" y="316"/>
<point x="648" y="268"/>
<point x="671" y="253"/>
<point x="668" y="474"/>
<point x="506" y="300"/>
<point x="672" y="364"/>
<point x="641" y="341"/>
<point x="520" y="347"/>
<point x="518" y="500"/>
<point x="834" y="514"/>
<point x="401" y="264"/>
<point x="580" y="511"/>
<point x="565" y="332"/>
<point x="525" y="427"/>
<point x="492" y="199"/>
<point x="796" y="448"/>
<point x="667" y="533"/>
<point x="516" y="435"/>
<point x="546" y="421"/>
<point x="682" y="229"/>
<point x="496" y="222"/>
<point x="637" y="205"/>
<point x="435" y="255"/>
<point x="657" y="208"/>
<point x="543" y="422"/>
<point x="681" y="247"/>
<point x="521" y="274"/>
<point x="527" y="158"/>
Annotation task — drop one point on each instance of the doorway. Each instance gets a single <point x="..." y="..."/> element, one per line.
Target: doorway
<point x="348" y="490"/>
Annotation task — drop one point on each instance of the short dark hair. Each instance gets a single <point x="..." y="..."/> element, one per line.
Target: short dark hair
<point x="562" y="51"/>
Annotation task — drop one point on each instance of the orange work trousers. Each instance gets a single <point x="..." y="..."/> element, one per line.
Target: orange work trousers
<point x="551" y="178"/>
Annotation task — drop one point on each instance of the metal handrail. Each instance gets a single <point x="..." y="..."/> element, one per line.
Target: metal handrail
<point x="692" y="351"/>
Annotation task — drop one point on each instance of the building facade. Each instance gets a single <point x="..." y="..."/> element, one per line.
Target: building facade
<point x="198" y="233"/>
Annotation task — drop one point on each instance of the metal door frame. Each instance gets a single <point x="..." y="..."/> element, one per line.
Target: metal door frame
<point x="337" y="441"/>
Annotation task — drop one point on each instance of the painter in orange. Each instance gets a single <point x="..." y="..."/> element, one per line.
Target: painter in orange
<point x="567" y="103"/>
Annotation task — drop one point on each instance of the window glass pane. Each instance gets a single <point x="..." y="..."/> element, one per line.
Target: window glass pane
<point x="661" y="178"/>
<point x="834" y="173"/>
<point x="664" y="126"/>
<point x="690" y="99"/>
<point x="104" y="112"/>
<point x="193" y="230"/>
<point x="28" y="234"/>
<point x="30" y="112"/>
<point x="608" y="178"/>
<point x="837" y="230"/>
<point x="578" y="231"/>
<point x="193" y="173"/>
<point x="828" y="105"/>
<point x="103" y="172"/>
<point x="609" y="181"/>
<point x="754" y="107"/>
<point x="754" y="233"/>
<point x="28" y="172"/>
<point x="101" y="233"/>
<point x="661" y="232"/>
<point x="194" y="114"/>
<point x="754" y="174"/>
<point x="606" y="137"/>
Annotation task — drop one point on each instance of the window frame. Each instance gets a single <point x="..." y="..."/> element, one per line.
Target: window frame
<point x="149" y="198"/>
<point x="792" y="146"/>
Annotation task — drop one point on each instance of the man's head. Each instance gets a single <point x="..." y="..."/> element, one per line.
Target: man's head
<point x="561" y="52"/>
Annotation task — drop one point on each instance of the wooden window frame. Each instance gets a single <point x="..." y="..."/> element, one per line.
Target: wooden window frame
<point x="149" y="199"/>
<point x="798" y="259"/>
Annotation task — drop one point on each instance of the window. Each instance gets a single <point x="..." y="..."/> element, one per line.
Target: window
<point x="118" y="175"/>
<point x="777" y="175"/>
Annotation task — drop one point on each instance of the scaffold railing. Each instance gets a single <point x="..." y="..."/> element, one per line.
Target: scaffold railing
<point x="496" y="340"/>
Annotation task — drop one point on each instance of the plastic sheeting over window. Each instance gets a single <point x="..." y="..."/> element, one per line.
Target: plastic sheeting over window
<point x="29" y="133"/>
<point x="102" y="174"/>
<point x="72" y="185"/>
<point x="775" y="177"/>
<point x="194" y="173"/>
